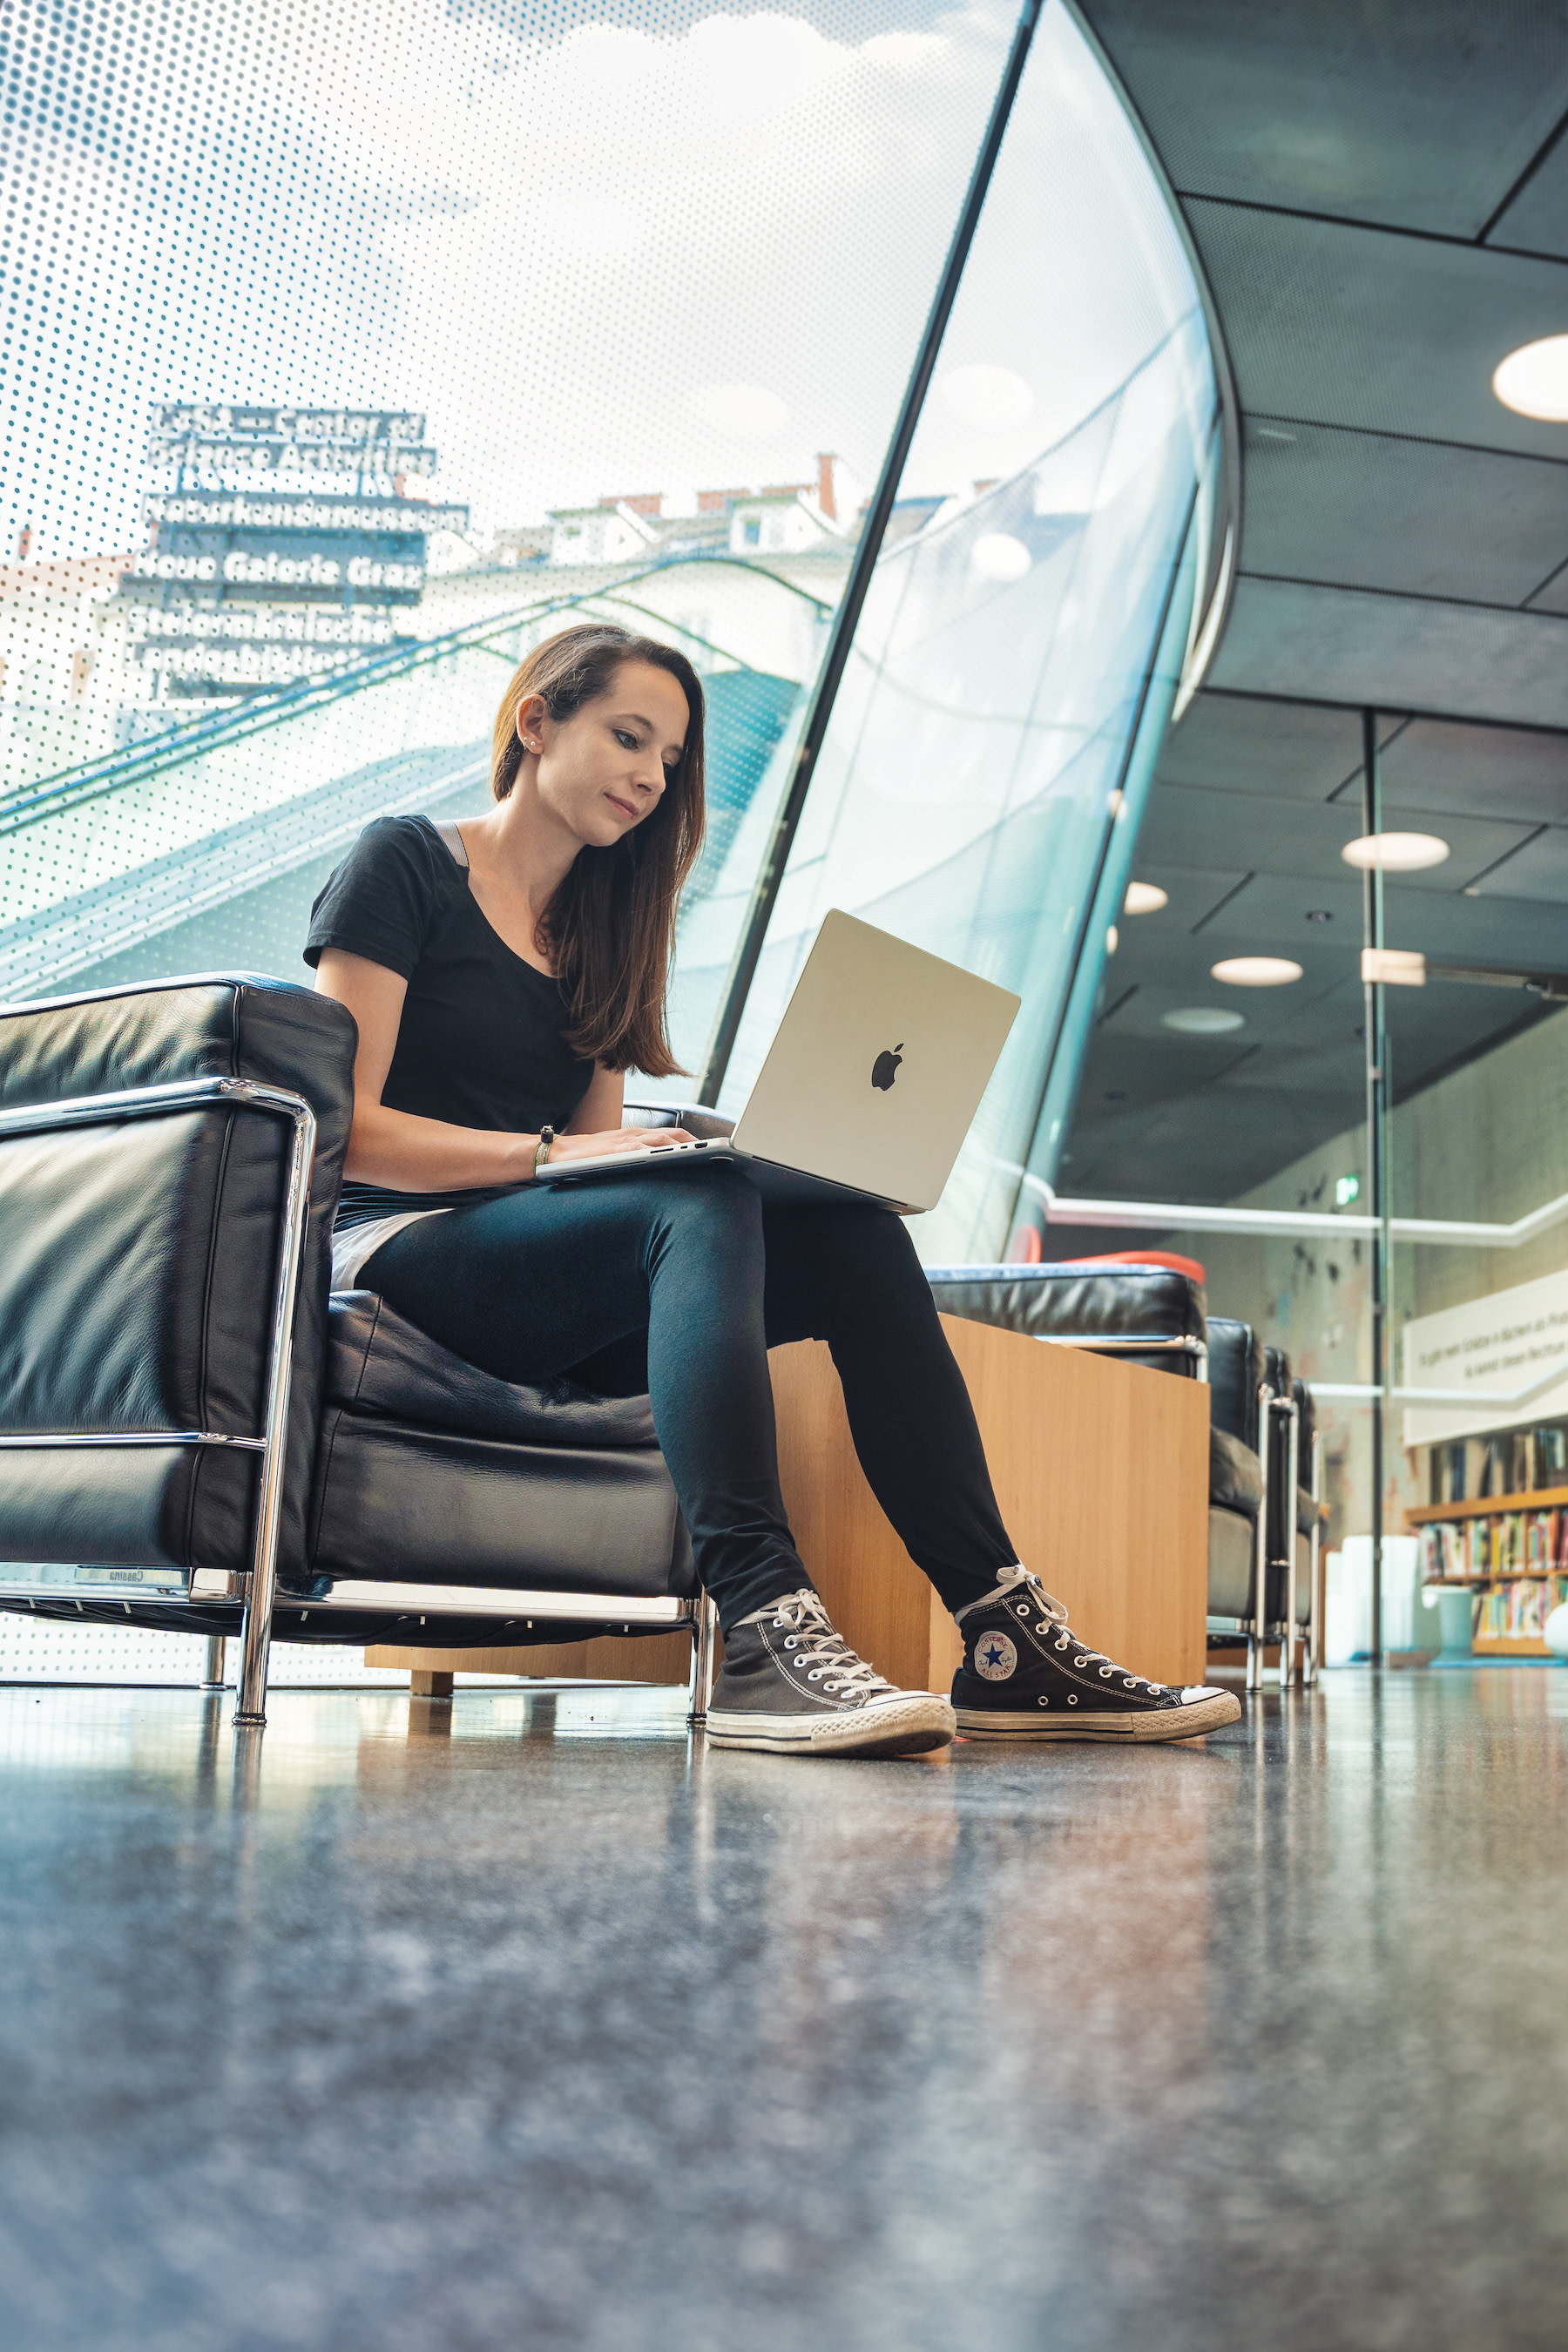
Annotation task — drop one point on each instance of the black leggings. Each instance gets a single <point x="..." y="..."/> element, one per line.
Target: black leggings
<point x="678" y="1284"/>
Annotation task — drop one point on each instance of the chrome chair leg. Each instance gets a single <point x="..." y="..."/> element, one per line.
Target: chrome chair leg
<point x="1289" y="1406"/>
<point x="261" y="1586"/>
<point x="1309" y="1663"/>
<point x="1257" y="1634"/>
<point x="703" y="1628"/>
<point x="218" y="1650"/>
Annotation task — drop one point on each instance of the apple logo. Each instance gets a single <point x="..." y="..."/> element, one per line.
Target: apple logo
<point x="885" y="1068"/>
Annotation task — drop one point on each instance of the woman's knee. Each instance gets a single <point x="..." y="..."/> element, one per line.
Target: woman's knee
<point x="712" y="1207"/>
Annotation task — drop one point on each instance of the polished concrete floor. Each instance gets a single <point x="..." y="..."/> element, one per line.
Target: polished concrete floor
<point x="520" y="2023"/>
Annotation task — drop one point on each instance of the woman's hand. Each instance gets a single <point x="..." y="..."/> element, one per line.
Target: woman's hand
<point x="615" y="1139"/>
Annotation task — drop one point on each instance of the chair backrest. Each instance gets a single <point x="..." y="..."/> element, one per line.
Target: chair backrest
<point x="1236" y="1375"/>
<point x="1115" y="1304"/>
<point x="137" y="1262"/>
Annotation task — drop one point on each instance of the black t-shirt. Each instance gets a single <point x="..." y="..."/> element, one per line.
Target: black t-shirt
<point x="480" y="1043"/>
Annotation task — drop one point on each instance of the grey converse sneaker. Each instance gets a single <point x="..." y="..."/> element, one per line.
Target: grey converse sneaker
<point x="792" y="1684"/>
<point x="1027" y="1676"/>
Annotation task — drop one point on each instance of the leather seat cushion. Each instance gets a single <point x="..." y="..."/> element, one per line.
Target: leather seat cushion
<point x="380" y="1365"/>
<point x="1071" y="1301"/>
<point x="1235" y="1474"/>
<point x="426" y="1507"/>
<point x="1232" y="1554"/>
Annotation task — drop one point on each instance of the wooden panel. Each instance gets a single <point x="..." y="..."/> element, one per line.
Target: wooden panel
<point x="1507" y="1645"/>
<point x="1101" y="1473"/>
<point x="608" y="1657"/>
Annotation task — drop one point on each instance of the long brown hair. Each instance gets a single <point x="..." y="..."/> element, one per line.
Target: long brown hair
<point x="610" y="927"/>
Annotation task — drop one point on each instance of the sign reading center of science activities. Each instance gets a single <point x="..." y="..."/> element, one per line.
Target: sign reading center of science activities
<point x="1496" y="1347"/>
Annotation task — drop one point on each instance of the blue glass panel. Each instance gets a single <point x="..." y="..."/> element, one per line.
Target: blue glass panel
<point x="977" y="751"/>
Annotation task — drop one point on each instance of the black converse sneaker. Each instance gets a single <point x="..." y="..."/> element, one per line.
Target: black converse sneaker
<point x="1027" y="1676"/>
<point x="791" y="1684"/>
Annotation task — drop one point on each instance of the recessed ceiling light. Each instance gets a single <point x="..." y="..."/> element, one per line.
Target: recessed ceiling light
<point x="1395" y="853"/>
<point x="1256" y="971"/>
<point x="1202" y="1021"/>
<point x="1145" y="898"/>
<point x="1533" y="380"/>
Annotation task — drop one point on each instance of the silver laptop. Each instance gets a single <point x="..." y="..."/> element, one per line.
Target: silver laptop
<point x="869" y="1085"/>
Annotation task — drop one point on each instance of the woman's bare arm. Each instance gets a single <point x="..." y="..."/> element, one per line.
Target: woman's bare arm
<point x="602" y="1107"/>
<point x="410" y="1154"/>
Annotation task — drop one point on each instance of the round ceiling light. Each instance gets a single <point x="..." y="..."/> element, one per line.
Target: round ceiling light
<point x="1202" y="1021"/>
<point x="1256" y="971"/>
<point x="1395" y="853"/>
<point x="1533" y="380"/>
<point x="1145" y="898"/>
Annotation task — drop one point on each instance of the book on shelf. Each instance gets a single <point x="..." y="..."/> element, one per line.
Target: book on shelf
<point x="1518" y="1610"/>
<point x="1505" y="1544"/>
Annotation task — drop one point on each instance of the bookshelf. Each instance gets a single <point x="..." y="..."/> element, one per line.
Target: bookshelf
<point x="1512" y="1549"/>
<point x="1489" y="1507"/>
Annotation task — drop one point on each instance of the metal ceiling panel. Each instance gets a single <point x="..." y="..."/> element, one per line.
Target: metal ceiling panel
<point x="1422" y="117"/>
<point x="1537" y="219"/>
<point x="1440" y="768"/>
<point x="1538" y="871"/>
<point x="1358" y="327"/>
<point x="1236" y="744"/>
<point x="1194" y="892"/>
<point x="1188" y="826"/>
<point x="1370" y="511"/>
<point x="1401" y="653"/>
<point x="1272" y="917"/>
<point x="1552" y="596"/>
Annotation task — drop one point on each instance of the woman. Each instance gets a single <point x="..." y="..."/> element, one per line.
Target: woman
<point x="505" y="974"/>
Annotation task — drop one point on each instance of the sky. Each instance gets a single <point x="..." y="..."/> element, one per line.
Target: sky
<point x="605" y="252"/>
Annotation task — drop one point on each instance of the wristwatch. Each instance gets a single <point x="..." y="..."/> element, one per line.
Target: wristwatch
<point x="542" y="1148"/>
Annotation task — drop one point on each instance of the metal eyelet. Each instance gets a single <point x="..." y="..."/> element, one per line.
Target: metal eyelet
<point x="814" y="1675"/>
<point x="1023" y="1608"/>
<point x="1127" y="1681"/>
<point x="1065" y="1644"/>
<point x="1104" y="1672"/>
<point x="790" y="1641"/>
<point x="1042" y="1702"/>
<point x="1072" y="1698"/>
<point x="800" y="1665"/>
<point x="1083" y="1661"/>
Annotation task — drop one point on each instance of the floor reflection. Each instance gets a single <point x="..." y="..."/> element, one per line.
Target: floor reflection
<point x="530" y="2019"/>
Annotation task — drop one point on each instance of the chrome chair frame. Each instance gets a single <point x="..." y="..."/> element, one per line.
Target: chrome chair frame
<point x="257" y="1588"/>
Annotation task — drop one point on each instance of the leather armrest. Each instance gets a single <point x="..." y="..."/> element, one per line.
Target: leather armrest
<point x="696" y="1121"/>
<point x="1235" y="1474"/>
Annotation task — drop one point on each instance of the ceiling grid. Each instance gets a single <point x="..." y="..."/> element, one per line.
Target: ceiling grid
<point x="1379" y="196"/>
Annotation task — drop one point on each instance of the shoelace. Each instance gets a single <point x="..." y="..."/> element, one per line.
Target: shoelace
<point x="827" y="1655"/>
<point x="1054" y="1613"/>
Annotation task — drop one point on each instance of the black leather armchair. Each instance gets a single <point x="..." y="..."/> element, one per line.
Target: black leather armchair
<point x="1147" y="1315"/>
<point x="195" y="1435"/>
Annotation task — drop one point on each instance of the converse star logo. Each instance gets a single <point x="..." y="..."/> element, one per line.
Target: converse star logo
<point x="995" y="1657"/>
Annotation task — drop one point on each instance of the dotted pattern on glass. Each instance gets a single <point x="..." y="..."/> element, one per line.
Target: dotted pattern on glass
<point x="344" y="335"/>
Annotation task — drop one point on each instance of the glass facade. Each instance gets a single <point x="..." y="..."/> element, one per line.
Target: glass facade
<point x="353" y="352"/>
